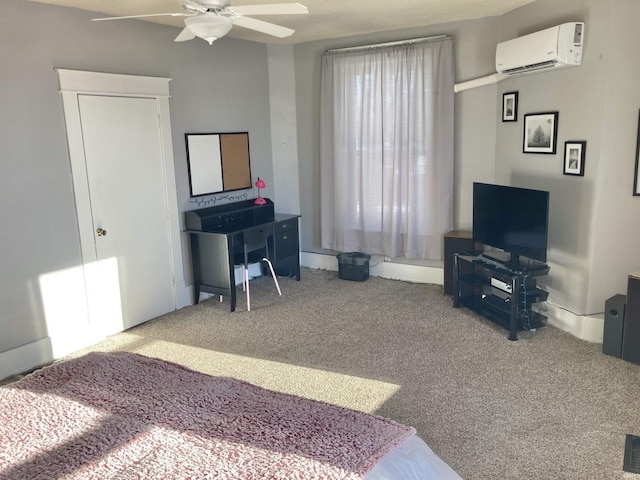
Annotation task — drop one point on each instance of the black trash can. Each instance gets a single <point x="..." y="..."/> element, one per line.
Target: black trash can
<point x="353" y="266"/>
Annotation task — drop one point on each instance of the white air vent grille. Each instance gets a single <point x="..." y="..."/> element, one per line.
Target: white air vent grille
<point x="532" y="67"/>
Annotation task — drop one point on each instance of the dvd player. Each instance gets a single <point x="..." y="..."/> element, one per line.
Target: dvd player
<point x="499" y="284"/>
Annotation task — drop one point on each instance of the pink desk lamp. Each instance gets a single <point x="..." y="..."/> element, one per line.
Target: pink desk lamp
<point x="260" y="184"/>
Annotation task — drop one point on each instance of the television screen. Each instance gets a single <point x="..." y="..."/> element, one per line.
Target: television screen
<point x="512" y="219"/>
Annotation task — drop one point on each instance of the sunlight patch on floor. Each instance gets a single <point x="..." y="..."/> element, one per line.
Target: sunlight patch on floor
<point x="345" y="390"/>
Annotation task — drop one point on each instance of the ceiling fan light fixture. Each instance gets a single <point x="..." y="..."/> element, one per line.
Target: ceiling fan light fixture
<point x="209" y="26"/>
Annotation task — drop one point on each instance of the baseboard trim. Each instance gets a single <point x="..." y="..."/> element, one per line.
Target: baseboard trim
<point x="25" y="357"/>
<point x="184" y="295"/>
<point x="384" y="269"/>
<point x="588" y="328"/>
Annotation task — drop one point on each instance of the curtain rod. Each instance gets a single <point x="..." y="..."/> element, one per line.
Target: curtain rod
<point x="386" y="44"/>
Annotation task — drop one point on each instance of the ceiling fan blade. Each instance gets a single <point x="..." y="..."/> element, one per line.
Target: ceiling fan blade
<point x="264" y="27"/>
<point x="143" y="16"/>
<point x="185" y="35"/>
<point x="271" y="9"/>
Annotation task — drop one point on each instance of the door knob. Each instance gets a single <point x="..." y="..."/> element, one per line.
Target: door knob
<point x="101" y="232"/>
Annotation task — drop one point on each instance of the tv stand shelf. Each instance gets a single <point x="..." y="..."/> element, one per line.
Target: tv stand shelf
<point x="502" y="291"/>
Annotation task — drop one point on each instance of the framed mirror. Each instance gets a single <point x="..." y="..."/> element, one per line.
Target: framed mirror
<point x="218" y="162"/>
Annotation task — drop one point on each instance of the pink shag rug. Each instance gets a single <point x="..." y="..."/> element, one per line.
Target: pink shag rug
<point x="125" y="416"/>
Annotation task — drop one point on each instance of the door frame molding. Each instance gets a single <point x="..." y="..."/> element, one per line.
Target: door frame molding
<point x="73" y="83"/>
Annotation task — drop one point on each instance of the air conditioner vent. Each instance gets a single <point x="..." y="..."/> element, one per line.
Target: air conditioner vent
<point x="555" y="47"/>
<point x="531" y="67"/>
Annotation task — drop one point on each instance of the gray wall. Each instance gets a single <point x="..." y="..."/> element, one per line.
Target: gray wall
<point x="226" y="88"/>
<point x="284" y="139"/>
<point x="593" y="219"/>
<point x="578" y="95"/>
<point x="219" y="88"/>
<point x="616" y="228"/>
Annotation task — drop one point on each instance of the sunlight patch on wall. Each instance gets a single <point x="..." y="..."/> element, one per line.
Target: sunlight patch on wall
<point x="103" y="291"/>
<point x="65" y="308"/>
<point x="70" y="325"/>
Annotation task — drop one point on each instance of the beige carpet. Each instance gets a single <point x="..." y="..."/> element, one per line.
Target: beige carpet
<point x="548" y="406"/>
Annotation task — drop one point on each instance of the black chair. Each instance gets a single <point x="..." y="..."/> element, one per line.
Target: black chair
<point x="256" y="249"/>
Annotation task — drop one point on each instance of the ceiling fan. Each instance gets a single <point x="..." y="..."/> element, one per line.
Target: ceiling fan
<point x="213" y="19"/>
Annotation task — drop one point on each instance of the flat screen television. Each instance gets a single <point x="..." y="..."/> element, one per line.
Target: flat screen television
<point x="514" y="220"/>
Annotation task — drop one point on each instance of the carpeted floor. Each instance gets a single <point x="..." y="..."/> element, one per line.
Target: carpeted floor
<point x="547" y="406"/>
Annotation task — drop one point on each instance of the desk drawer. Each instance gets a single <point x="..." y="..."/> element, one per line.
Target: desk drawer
<point x="286" y="243"/>
<point x="285" y="238"/>
<point x="286" y="226"/>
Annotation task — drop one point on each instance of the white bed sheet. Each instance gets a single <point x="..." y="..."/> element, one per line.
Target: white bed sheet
<point x="413" y="460"/>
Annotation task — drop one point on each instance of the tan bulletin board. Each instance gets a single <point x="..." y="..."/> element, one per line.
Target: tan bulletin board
<point x="236" y="170"/>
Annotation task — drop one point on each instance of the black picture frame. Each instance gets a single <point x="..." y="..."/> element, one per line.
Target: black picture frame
<point x="510" y="107"/>
<point x="636" y="180"/>
<point x="574" y="156"/>
<point x="540" y="133"/>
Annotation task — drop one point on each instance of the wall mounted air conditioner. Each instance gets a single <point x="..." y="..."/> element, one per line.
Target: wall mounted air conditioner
<point x="554" y="47"/>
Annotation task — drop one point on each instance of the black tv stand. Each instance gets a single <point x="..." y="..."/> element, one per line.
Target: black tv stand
<point x="514" y="261"/>
<point x="498" y="256"/>
<point x="503" y="292"/>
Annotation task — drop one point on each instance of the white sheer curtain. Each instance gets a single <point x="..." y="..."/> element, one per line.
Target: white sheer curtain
<point x="387" y="149"/>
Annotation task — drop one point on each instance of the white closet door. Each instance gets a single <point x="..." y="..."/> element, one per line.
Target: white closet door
<point x="132" y="280"/>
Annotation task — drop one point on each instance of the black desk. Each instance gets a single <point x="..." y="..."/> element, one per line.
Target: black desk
<point x="216" y="236"/>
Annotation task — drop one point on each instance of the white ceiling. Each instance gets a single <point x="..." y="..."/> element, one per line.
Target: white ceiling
<point x="326" y="18"/>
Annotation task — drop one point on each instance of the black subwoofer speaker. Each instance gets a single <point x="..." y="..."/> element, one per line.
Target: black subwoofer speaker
<point x="613" y="325"/>
<point x="457" y="241"/>
<point x="631" y="335"/>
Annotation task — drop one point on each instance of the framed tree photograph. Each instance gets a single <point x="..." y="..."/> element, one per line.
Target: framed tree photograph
<point x="636" y="180"/>
<point x="510" y="107"/>
<point x="540" y="133"/>
<point x="574" y="154"/>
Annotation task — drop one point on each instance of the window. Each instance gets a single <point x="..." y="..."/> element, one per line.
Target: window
<point x="387" y="148"/>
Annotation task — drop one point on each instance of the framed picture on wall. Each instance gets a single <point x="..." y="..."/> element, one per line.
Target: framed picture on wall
<point x="540" y="133"/>
<point x="510" y="107"/>
<point x="574" y="154"/>
<point x="636" y="180"/>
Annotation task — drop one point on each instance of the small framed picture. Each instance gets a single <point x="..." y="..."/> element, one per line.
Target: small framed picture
<point x="574" y="154"/>
<point x="510" y="107"/>
<point x="636" y="180"/>
<point x="540" y="133"/>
